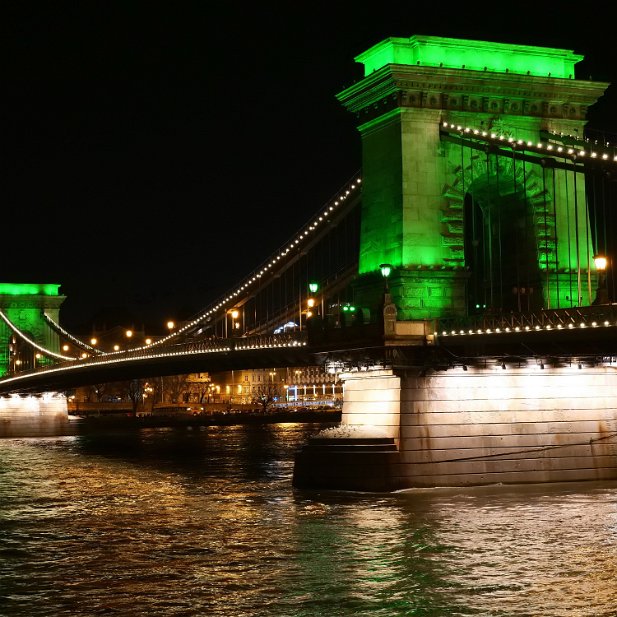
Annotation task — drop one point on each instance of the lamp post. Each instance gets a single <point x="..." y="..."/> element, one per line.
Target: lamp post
<point x="386" y="270"/>
<point x="389" y="309"/>
<point x="314" y="288"/>
<point x="601" y="262"/>
<point x="234" y="324"/>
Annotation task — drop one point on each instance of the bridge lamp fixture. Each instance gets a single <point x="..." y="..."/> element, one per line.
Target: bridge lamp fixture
<point x="129" y="333"/>
<point x="170" y="325"/>
<point x="65" y="347"/>
<point x="601" y="263"/>
<point x="93" y="341"/>
<point x="116" y="347"/>
<point x="386" y="270"/>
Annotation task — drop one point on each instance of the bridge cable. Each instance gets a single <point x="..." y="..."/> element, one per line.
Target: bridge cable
<point x="569" y="236"/>
<point x="556" y="265"/>
<point x="544" y="210"/>
<point x="589" y="255"/>
<point x="47" y="352"/>
<point x="79" y="343"/>
<point x="499" y="247"/>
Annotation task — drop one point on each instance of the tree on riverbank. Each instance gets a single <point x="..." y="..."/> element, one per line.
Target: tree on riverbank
<point x="266" y="395"/>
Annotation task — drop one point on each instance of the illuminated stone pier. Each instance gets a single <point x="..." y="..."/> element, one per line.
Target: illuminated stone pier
<point x="470" y="427"/>
<point x="33" y="416"/>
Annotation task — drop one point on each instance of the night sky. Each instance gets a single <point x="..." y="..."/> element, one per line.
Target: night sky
<point x="155" y="153"/>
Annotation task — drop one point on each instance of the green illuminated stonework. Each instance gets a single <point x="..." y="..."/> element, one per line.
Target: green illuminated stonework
<point x="437" y="211"/>
<point x="472" y="55"/>
<point x="24" y="306"/>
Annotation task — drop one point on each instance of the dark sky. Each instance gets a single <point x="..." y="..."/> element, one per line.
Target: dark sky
<point x="155" y="153"/>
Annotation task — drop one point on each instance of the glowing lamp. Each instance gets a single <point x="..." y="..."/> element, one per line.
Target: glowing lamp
<point x="386" y="270"/>
<point x="600" y="262"/>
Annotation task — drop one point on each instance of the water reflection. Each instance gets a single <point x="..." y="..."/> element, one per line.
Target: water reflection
<point x="205" y="522"/>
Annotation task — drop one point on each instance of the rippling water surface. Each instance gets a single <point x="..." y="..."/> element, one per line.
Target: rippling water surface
<point x="205" y="522"/>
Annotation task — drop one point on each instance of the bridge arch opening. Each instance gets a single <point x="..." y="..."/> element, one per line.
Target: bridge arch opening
<point x="508" y="233"/>
<point x="500" y="247"/>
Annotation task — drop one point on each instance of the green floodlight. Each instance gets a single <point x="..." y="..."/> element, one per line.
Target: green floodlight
<point x="313" y="287"/>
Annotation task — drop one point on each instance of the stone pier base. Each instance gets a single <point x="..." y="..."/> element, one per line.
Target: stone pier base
<point x="471" y="427"/>
<point x="360" y="464"/>
<point x="34" y="416"/>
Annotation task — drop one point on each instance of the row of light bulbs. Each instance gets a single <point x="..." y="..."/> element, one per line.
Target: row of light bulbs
<point x="118" y="357"/>
<point x="254" y="278"/>
<point x="536" y="146"/>
<point x="47" y="352"/>
<point x="570" y="326"/>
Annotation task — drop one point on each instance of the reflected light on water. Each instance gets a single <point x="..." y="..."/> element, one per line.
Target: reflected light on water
<point x="206" y="522"/>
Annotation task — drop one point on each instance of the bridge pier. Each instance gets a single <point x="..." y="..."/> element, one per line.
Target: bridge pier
<point x="470" y="427"/>
<point x="33" y="416"/>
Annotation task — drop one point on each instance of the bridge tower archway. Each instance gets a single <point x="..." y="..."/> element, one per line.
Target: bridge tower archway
<point x="23" y="307"/>
<point x="504" y="250"/>
<point x="416" y="175"/>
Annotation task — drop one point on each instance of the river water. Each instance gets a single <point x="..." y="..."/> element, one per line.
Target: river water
<point x="205" y="522"/>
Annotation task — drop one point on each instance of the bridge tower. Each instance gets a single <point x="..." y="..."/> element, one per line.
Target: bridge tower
<point x="22" y="307"/>
<point x="468" y="225"/>
<point x="467" y="230"/>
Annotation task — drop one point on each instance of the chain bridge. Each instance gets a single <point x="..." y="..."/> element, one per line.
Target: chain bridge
<point x="464" y="278"/>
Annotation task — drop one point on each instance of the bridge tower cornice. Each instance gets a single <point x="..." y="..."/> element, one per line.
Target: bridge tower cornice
<point x="463" y="90"/>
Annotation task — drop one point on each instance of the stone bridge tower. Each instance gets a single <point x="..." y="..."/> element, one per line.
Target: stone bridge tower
<point x="24" y="305"/>
<point x="466" y="229"/>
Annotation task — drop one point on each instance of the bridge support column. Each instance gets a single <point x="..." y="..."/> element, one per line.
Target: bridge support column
<point x="468" y="426"/>
<point x="34" y="416"/>
<point x="362" y="453"/>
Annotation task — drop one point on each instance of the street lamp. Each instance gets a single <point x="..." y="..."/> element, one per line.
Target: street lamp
<point x="389" y="309"/>
<point x="310" y="304"/>
<point x="601" y="262"/>
<point x="314" y="288"/>
<point x="386" y="270"/>
<point x="234" y="324"/>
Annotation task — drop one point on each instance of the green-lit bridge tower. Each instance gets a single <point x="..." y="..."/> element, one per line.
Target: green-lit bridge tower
<point x="463" y="228"/>
<point x="23" y="307"/>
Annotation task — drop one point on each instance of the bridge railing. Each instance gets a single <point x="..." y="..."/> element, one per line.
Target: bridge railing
<point x="214" y="345"/>
<point x="557" y="318"/>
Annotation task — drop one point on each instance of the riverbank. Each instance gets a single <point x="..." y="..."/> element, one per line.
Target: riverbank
<point x="117" y="421"/>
